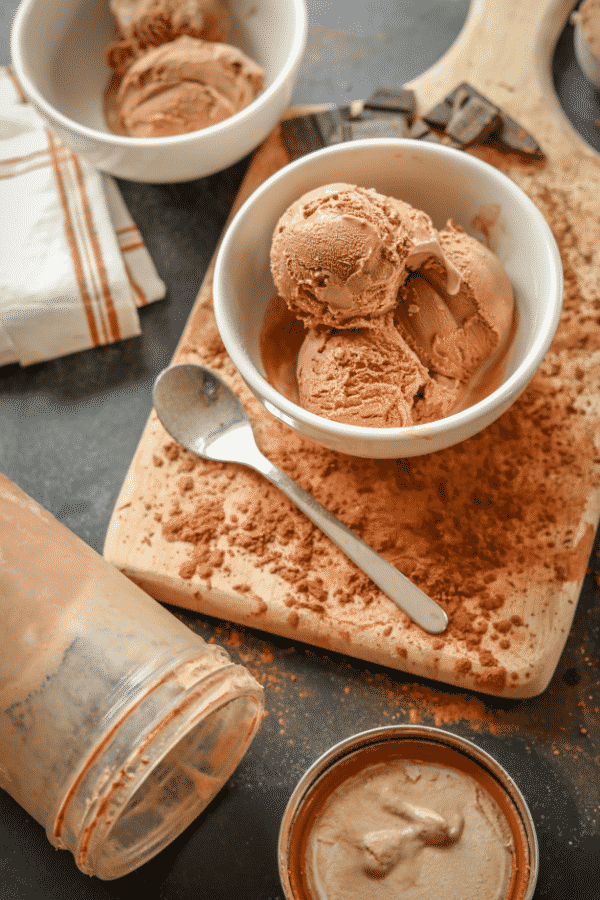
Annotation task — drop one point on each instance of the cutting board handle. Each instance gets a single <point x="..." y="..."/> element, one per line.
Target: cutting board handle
<point x="505" y="50"/>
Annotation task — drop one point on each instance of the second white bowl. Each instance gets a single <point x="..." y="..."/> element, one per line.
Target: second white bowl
<point x="57" y="48"/>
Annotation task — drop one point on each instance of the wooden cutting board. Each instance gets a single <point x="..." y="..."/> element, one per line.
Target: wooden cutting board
<point x="499" y="529"/>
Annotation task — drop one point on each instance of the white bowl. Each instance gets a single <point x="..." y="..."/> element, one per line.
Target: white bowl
<point x="57" y="49"/>
<point x="445" y="183"/>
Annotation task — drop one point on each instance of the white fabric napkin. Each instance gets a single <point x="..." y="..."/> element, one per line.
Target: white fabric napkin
<point x="73" y="266"/>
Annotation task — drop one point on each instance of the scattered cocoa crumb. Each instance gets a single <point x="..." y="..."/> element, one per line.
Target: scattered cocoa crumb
<point x="186" y="484"/>
<point x="187" y="570"/>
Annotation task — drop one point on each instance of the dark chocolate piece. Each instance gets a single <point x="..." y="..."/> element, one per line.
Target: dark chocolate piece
<point x="393" y="100"/>
<point x="303" y="134"/>
<point x="512" y="136"/>
<point x="439" y="115"/>
<point x="380" y="127"/>
<point x="509" y="134"/>
<point x="329" y="122"/>
<point x="442" y="114"/>
<point x="474" y="120"/>
<point x="435" y="137"/>
<point x="419" y="129"/>
<point x="463" y="117"/>
<point x="300" y="135"/>
<point x="367" y="114"/>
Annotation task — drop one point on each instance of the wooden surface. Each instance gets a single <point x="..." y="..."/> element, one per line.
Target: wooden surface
<point x="505" y="51"/>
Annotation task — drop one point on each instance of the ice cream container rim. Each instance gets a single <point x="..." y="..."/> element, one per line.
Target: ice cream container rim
<point x="293" y="60"/>
<point x="385" y="734"/>
<point x="508" y="391"/>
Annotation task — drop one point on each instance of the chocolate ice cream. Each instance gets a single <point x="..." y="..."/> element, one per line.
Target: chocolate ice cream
<point x="141" y="25"/>
<point x="184" y="85"/>
<point x="453" y="333"/>
<point x="404" y="324"/>
<point x="368" y="376"/>
<point x="409" y="829"/>
<point x="341" y="252"/>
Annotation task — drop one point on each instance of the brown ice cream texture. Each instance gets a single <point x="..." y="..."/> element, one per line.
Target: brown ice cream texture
<point x="141" y="25"/>
<point x="184" y="85"/>
<point x="401" y="320"/>
<point x="409" y="829"/>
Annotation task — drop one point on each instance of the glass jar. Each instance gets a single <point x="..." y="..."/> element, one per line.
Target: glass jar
<point x="118" y="724"/>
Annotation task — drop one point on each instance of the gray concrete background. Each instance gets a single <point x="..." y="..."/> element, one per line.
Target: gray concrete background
<point x="69" y="428"/>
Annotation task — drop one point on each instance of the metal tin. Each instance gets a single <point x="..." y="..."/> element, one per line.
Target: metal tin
<point x="328" y="769"/>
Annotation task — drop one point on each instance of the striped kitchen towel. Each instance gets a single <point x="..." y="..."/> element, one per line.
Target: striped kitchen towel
<point x="73" y="266"/>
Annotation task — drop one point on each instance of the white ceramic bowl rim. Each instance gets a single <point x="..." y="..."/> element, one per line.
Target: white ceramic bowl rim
<point x="509" y="388"/>
<point x="24" y="10"/>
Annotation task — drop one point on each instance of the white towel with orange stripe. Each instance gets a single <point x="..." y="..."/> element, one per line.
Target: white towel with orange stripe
<point x="73" y="266"/>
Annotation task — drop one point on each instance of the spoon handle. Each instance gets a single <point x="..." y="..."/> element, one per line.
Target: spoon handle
<point x="421" y="608"/>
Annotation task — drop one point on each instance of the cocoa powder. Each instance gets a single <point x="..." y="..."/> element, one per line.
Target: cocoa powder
<point x="477" y="526"/>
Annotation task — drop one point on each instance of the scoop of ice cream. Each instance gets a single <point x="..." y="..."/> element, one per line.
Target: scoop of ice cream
<point x="340" y="253"/>
<point x="369" y="377"/>
<point x="143" y="24"/>
<point x="405" y="324"/>
<point x="184" y="85"/>
<point x="334" y="255"/>
<point x="453" y="334"/>
<point x="419" y="245"/>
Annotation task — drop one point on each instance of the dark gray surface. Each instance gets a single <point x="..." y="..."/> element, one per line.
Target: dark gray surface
<point x="69" y="428"/>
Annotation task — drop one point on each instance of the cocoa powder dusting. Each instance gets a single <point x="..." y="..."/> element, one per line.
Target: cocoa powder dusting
<point x="492" y="528"/>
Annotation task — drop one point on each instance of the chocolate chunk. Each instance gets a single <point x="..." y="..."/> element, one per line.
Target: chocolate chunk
<point x="368" y="114"/>
<point x="442" y="114"/>
<point x="474" y="120"/>
<point x="512" y="136"/>
<point x="433" y="137"/>
<point x="464" y="116"/>
<point x="509" y="134"/>
<point x="329" y="123"/>
<point x="300" y="135"/>
<point x="393" y="100"/>
<point x="303" y="134"/>
<point x="380" y="127"/>
<point x="439" y="115"/>
<point x="419" y="129"/>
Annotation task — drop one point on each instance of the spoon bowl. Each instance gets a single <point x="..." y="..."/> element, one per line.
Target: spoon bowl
<point x="204" y="415"/>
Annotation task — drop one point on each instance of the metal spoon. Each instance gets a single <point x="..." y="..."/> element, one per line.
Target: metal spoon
<point x="205" y="416"/>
